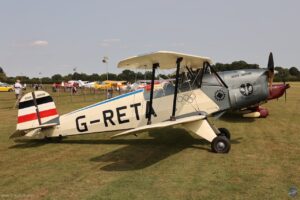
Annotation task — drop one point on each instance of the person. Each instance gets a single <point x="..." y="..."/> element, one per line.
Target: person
<point x="36" y="86"/>
<point x="18" y="91"/>
<point x="74" y="89"/>
<point x="109" y="93"/>
<point x="54" y="87"/>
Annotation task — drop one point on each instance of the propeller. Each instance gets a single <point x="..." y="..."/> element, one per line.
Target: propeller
<point x="271" y="70"/>
<point x="275" y="91"/>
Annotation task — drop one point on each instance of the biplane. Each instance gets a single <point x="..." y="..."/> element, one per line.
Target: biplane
<point x="196" y="93"/>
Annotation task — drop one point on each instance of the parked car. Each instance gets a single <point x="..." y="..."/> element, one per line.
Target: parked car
<point x="4" y="87"/>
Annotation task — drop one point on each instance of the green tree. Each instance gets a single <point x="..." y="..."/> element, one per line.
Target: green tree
<point x="57" y="78"/>
<point x="23" y="79"/>
<point x="236" y="65"/>
<point x="148" y="75"/>
<point x="139" y="76"/>
<point x="127" y="75"/>
<point x="111" y="76"/>
<point x="93" y="77"/>
<point x="3" y="77"/>
<point x="35" y="80"/>
<point x="294" y="71"/>
<point x="282" y="74"/>
<point x="67" y="77"/>
<point x="46" y="80"/>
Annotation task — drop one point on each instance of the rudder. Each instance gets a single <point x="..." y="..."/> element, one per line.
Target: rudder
<point x="36" y="109"/>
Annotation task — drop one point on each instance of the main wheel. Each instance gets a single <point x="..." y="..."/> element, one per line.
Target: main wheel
<point x="224" y="132"/>
<point x="220" y="145"/>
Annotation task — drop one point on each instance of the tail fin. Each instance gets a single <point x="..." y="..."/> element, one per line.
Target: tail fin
<point x="36" y="109"/>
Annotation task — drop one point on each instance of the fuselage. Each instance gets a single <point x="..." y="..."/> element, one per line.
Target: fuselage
<point x="245" y="87"/>
<point x="130" y="110"/>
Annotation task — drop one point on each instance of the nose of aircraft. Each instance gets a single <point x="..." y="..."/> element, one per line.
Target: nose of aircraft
<point x="277" y="90"/>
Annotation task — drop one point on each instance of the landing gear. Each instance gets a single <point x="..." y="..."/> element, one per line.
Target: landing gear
<point x="219" y="139"/>
<point x="224" y="132"/>
<point x="220" y="144"/>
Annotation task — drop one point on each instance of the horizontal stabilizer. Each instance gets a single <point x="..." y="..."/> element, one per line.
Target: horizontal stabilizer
<point x="31" y="132"/>
<point x="17" y="134"/>
<point x="160" y="125"/>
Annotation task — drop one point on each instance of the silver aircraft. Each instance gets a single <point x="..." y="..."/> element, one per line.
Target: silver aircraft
<point x="197" y="93"/>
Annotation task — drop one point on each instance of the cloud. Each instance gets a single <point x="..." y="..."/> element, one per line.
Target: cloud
<point x="109" y="42"/>
<point x="40" y="43"/>
<point x="104" y="44"/>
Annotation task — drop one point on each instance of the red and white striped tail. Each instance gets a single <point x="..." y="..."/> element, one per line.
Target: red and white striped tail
<point x="36" y="109"/>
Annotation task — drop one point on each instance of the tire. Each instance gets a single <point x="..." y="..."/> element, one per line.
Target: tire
<point x="225" y="132"/>
<point x="10" y="90"/>
<point x="220" y="144"/>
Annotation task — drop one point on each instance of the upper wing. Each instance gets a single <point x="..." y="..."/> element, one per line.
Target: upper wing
<point x="160" y="125"/>
<point x="166" y="60"/>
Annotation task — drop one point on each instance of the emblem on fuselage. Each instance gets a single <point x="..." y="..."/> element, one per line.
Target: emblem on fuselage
<point x="187" y="98"/>
<point x="220" y="95"/>
<point x="246" y="89"/>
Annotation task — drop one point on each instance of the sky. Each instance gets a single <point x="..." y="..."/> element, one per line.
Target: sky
<point x="41" y="38"/>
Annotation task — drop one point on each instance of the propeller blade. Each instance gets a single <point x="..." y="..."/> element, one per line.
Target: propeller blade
<point x="271" y="63"/>
<point x="270" y="70"/>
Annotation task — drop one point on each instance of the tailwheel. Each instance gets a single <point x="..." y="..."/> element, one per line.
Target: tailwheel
<point x="220" y="144"/>
<point x="224" y="132"/>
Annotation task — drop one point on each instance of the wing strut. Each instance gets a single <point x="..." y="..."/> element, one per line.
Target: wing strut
<point x="154" y="66"/>
<point x="178" y="61"/>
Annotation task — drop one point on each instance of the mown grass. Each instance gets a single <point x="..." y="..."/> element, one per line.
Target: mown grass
<point x="168" y="164"/>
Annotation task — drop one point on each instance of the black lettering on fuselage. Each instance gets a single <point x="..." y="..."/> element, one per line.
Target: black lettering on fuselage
<point x="107" y="116"/>
<point x="135" y="106"/>
<point x="81" y="127"/>
<point x="119" y="115"/>
<point x="95" y="121"/>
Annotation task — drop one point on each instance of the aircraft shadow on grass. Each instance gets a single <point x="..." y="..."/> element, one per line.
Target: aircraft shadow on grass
<point x="139" y="153"/>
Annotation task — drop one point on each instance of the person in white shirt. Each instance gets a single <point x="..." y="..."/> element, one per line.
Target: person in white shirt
<point x="18" y="89"/>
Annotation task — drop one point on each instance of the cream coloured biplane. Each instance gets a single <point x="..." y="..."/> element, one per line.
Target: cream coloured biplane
<point x="178" y="103"/>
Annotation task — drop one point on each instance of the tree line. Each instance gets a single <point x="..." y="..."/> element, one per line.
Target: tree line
<point x="283" y="74"/>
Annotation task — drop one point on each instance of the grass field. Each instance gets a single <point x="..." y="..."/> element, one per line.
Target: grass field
<point x="264" y="161"/>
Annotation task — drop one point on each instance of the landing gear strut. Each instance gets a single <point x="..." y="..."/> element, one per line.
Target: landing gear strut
<point x="219" y="139"/>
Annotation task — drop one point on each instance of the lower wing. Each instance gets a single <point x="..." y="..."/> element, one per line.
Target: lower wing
<point x="160" y="125"/>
